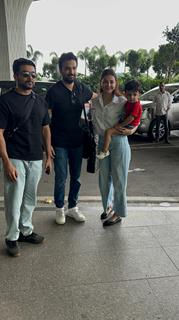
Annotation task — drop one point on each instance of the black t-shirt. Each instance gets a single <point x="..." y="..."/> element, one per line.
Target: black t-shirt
<point x="66" y="109"/>
<point x="26" y="143"/>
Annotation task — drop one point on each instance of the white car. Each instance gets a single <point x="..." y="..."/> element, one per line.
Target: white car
<point x="148" y="121"/>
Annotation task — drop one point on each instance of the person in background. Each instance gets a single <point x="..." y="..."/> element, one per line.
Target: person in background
<point x="162" y="102"/>
<point x="21" y="140"/>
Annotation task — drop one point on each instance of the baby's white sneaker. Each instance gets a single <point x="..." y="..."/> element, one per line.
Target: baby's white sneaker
<point x="102" y="155"/>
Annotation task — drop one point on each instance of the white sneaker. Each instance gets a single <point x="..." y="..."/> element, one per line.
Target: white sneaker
<point x="76" y="214"/>
<point x="102" y="155"/>
<point x="60" y="216"/>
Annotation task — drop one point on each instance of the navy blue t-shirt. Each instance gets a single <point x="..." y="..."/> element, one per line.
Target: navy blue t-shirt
<point x="26" y="143"/>
<point x="66" y="107"/>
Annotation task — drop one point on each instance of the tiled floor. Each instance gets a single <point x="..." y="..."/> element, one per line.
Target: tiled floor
<point x="87" y="272"/>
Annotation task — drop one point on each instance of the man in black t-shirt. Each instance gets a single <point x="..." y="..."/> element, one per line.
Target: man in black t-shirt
<point x="66" y="99"/>
<point x="24" y="123"/>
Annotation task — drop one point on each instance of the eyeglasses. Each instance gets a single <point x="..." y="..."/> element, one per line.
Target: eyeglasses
<point x="74" y="99"/>
<point x="27" y="74"/>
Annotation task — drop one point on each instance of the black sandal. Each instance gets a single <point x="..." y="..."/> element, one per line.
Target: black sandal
<point x="104" y="216"/>
<point x="107" y="214"/>
<point x="111" y="222"/>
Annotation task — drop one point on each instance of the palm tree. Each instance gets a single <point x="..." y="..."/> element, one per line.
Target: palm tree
<point x="146" y="59"/>
<point x="33" y="55"/>
<point x="99" y="52"/>
<point x="50" y="70"/>
<point x="134" y="62"/>
<point x="98" y="60"/>
<point x="84" y="55"/>
<point x="123" y="56"/>
<point x="150" y="59"/>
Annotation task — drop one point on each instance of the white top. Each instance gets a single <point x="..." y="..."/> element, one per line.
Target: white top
<point x="107" y="116"/>
<point x="162" y="102"/>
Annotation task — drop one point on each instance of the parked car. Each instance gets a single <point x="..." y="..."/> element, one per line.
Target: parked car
<point x="41" y="87"/>
<point x="148" y="121"/>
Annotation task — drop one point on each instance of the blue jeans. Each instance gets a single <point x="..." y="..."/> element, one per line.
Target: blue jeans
<point x="113" y="173"/>
<point x="20" y="197"/>
<point x="63" y="158"/>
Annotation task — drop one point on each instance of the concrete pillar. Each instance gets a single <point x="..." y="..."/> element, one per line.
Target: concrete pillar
<point x="12" y="34"/>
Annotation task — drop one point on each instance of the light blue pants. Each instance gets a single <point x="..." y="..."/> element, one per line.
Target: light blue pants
<point x="113" y="173"/>
<point x="20" y="197"/>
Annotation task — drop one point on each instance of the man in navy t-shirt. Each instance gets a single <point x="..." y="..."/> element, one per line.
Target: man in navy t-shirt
<point x="66" y="99"/>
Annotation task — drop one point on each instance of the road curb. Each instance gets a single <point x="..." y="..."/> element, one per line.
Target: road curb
<point x="130" y="199"/>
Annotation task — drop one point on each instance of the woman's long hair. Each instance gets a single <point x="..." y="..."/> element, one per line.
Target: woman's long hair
<point x="110" y="72"/>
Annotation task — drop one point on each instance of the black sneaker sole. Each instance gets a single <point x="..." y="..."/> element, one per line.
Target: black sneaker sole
<point x="29" y="239"/>
<point x="11" y="254"/>
<point x="12" y="250"/>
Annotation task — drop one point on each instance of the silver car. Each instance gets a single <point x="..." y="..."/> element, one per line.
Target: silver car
<point x="148" y="121"/>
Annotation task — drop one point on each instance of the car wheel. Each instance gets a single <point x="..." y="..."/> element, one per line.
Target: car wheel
<point x="152" y="130"/>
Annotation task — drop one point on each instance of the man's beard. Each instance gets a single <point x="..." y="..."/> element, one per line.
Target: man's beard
<point x="68" y="80"/>
<point x="25" y="86"/>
